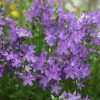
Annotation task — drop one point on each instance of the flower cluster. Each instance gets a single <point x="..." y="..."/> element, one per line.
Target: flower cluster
<point x="72" y="96"/>
<point x="12" y="45"/>
<point x="69" y="38"/>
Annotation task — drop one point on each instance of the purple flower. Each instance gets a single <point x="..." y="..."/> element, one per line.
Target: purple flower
<point x="28" y="79"/>
<point x="62" y="47"/>
<point x="53" y="74"/>
<point x="69" y="71"/>
<point x="51" y="61"/>
<point x="1" y="33"/>
<point x="64" y="95"/>
<point x="74" y="96"/>
<point x="55" y="88"/>
<point x="50" y="39"/>
<point x="13" y="58"/>
<point x="42" y="58"/>
<point x="23" y="32"/>
<point x="43" y="82"/>
<point x="80" y="85"/>
<point x="30" y="57"/>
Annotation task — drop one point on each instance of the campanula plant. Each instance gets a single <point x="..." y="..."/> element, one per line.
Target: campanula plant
<point x="63" y="59"/>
